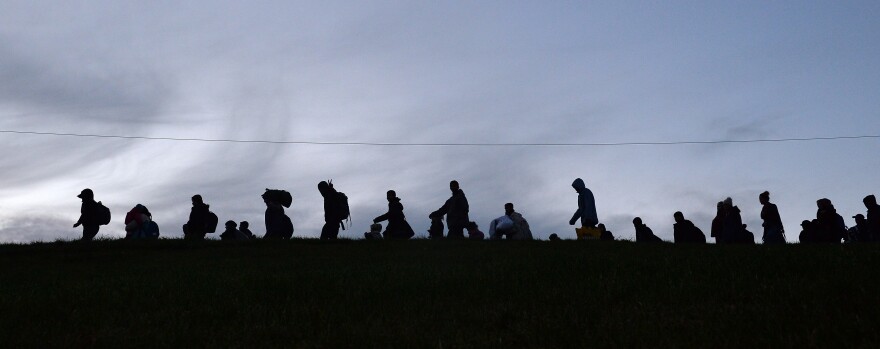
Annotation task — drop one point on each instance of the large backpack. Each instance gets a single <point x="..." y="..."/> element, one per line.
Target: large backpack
<point x="341" y="211"/>
<point x="211" y="222"/>
<point x="102" y="214"/>
<point x="151" y="230"/>
<point x="281" y="196"/>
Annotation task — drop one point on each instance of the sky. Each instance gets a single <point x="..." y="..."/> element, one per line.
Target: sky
<point x="486" y="71"/>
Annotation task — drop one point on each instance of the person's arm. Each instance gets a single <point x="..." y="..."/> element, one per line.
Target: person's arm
<point x="441" y="211"/>
<point x="381" y="218"/>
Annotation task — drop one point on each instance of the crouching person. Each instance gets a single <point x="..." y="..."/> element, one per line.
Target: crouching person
<point x="233" y="234"/>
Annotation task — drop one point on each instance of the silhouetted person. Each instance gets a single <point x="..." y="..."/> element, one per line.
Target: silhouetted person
<point x="774" y="233"/>
<point x="197" y="225"/>
<point x="605" y="234"/>
<point x="278" y="225"/>
<point x="436" y="229"/>
<point x="375" y="232"/>
<point x="332" y="222"/>
<point x="829" y="225"/>
<point x="244" y="227"/>
<point x="88" y="215"/>
<point x="554" y="237"/>
<point x="397" y="227"/>
<point x="232" y="234"/>
<point x="684" y="231"/>
<point x="518" y="230"/>
<point x="732" y="226"/>
<point x="586" y="211"/>
<point x="858" y="232"/>
<point x="643" y="233"/>
<point x="872" y="217"/>
<point x="137" y="223"/>
<point x="718" y="224"/>
<point x="808" y="234"/>
<point x="456" y="211"/>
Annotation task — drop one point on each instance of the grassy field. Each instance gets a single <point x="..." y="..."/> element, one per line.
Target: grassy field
<point x="437" y="294"/>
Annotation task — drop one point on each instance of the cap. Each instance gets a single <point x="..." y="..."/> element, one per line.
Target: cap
<point x="86" y="193"/>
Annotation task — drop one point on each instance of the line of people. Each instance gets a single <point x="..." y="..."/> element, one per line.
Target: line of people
<point x="727" y="226"/>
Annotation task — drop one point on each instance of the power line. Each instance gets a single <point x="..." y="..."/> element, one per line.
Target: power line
<point x="396" y="144"/>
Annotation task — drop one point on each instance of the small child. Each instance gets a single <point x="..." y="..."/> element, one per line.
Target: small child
<point x="474" y="232"/>
<point x="375" y="232"/>
<point x="436" y="229"/>
<point x="244" y="228"/>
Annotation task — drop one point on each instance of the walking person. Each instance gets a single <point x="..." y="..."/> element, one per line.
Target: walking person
<point x="774" y="233"/>
<point x="397" y="227"/>
<point x="586" y="211"/>
<point x="90" y="215"/>
<point x="456" y="210"/>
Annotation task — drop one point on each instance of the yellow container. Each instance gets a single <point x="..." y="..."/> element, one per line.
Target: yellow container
<point x="588" y="233"/>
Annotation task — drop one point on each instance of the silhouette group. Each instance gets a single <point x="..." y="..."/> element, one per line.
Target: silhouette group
<point x="727" y="226"/>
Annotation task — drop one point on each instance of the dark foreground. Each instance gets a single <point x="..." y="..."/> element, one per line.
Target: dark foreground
<point x="437" y="294"/>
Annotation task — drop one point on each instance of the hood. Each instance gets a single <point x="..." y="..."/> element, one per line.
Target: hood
<point x="579" y="185"/>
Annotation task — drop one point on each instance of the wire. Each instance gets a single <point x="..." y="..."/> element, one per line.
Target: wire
<point x="395" y="144"/>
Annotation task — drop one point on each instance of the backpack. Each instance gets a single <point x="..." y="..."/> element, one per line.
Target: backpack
<point x="281" y="196"/>
<point x="341" y="211"/>
<point x="151" y="230"/>
<point x="287" y="233"/>
<point x="102" y="214"/>
<point x="211" y="222"/>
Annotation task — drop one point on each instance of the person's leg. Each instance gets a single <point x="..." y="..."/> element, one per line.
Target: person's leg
<point x="456" y="232"/>
<point x="89" y="232"/>
<point x="330" y="231"/>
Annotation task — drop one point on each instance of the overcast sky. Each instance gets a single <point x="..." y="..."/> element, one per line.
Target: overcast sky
<point x="436" y="72"/>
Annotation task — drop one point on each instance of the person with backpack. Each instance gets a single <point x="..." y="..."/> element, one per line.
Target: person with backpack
<point x="397" y="227"/>
<point x="201" y="220"/>
<point x="335" y="210"/>
<point x="278" y="224"/>
<point x="829" y="224"/>
<point x="774" y="233"/>
<point x="456" y="211"/>
<point x="684" y="231"/>
<point x="731" y="225"/>
<point x="92" y="215"/>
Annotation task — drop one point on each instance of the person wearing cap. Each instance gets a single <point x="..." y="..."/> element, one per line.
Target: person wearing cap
<point x="88" y="216"/>
<point x="860" y="232"/>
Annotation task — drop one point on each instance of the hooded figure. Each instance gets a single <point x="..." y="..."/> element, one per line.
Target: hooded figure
<point x="732" y="224"/>
<point x="278" y="224"/>
<point x="586" y="211"/>
<point x="397" y="227"/>
<point x="456" y="210"/>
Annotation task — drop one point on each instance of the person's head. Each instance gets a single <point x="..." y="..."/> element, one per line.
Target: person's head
<point x="601" y="227"/>
<point x="578" y="185"/>
<point x="230" y="225"/>
<point x="870" y="201"/>
<point x="390" y="195"/>
<point x="824" y="203"/>
<point x="806" y="224"/>
<point x="86" y="194"/>
<point x="679" y="217"/>
<point x="453" y="185"/>
<point x="244" y="224"/>
<point x="197" y="199"/>
<point x="720" y="207"/>
<point x="764" y="198"/>
<point x="471" y="226"/>
<point x="508" y="208"/>
<point x="554" y="237"/>
<point x="860" y="218"/>
<point x="728" y="203"/>
<point x="637" y="221"/>
<point x="323" y="186"/>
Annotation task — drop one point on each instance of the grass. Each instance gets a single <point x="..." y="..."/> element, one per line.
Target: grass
<point x="436" y="294"/>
